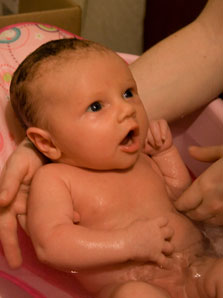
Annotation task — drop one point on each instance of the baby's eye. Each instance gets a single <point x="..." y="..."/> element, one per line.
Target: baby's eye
<point x="95" y="107"/>
<point x="128" y="93"/>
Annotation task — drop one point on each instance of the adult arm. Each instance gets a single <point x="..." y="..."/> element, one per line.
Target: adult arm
<point x="15" y="182"/>
<point x="184" y="71"/>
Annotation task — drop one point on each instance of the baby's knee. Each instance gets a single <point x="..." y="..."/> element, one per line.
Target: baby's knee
<point x="134" y="289"/>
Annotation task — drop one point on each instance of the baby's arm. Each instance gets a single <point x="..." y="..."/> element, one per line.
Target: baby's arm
<point x="60" y="242"/>
<point x="159" y="145"/>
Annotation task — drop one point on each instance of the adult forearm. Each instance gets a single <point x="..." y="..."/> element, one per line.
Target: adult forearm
<point x="184" y="71"/>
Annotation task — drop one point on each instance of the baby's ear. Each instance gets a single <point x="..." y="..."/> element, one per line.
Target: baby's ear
<point x="43" y="142"/>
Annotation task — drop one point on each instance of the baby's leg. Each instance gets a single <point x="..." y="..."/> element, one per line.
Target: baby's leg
<point x="133" y="289"/>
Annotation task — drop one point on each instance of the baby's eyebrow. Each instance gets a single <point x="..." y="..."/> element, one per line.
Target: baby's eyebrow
<point x="130" y="81"/>
<point x="131" y="84"/>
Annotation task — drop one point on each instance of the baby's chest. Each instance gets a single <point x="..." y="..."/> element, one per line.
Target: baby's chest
<point x="116" y="200"/>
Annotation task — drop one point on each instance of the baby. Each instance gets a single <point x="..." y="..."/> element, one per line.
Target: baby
<point x="103" y="208"/>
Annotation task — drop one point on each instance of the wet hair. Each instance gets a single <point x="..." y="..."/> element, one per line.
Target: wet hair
<point x="24" y="103"/>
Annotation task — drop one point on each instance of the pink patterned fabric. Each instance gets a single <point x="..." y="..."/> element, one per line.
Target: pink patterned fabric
<point x="16" y="42"/>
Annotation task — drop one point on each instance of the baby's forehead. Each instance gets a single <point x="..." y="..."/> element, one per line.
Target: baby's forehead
<point x="52" y="67"/>
<point x="59" y="61"/>
<point x="55" y="65"/>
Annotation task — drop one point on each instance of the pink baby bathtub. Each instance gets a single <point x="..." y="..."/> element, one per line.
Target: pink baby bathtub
<point x="34" y="279"/>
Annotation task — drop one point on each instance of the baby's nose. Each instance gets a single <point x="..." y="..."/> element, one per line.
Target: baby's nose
<point x="126" y="110"/>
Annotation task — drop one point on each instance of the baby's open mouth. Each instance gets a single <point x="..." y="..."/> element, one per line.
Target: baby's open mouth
<point x="128" y="139"/>
<point x="130" y="142"/>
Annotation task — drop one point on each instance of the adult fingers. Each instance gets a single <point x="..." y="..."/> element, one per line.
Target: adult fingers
<point x="209" y="154"/>
<point x="202" y="204"/>
<point x="9" y="239"/>
<point x="22" y="221"/>
<point x="190" y="199"/>
<point x="10" y="182"/>
<point x="216" y="220"/>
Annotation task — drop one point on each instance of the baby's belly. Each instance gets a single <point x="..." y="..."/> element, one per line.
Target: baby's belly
<point x="188" y="245"/>
<point x="187" y="237"/>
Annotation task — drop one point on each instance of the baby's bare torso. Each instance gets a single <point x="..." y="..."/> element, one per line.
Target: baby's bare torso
<point x="113" y="200"/>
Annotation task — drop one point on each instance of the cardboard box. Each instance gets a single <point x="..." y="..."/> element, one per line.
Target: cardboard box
<point x="9" y="6"/>
<point x="61" y="13"/>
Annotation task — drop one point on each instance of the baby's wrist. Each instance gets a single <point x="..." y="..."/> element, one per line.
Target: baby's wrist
<point x="130" y="245"/>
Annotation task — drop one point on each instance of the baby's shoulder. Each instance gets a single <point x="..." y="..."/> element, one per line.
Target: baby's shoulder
<point x="53" y="173"/>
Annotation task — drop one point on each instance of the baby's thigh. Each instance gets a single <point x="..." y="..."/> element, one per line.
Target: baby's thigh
<point x="133" y="289"/>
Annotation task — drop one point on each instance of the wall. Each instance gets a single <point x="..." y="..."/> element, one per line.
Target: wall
<point x="117" y="24"/>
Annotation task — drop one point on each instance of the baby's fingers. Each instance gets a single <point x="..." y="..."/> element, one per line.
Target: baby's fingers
<point x="150" y="139"/>
<point x="161" y="221"/>
<point x="156" y="133"/>
<point x="167" y="232"/>
<point x="165" y="262"/>
<point x="168" y="248"/>
<point x="163" y="129"/>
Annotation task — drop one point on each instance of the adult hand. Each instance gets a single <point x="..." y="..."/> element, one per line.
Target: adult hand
<point x="14" y="187"/>
<point x="203" y="200"/>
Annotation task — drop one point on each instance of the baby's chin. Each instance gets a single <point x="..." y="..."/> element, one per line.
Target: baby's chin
<point x="124" y="163"/>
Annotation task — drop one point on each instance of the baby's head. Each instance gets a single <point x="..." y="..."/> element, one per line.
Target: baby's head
<point x="79" y="104"/>
<point x="49" y="57"/>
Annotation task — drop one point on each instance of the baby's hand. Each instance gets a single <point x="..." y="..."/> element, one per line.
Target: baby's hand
<point x="151" y="241"/>
<point x="159" y="137"/>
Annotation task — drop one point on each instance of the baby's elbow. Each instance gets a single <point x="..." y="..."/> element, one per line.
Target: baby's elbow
<point x="44" y="249"/>
<point x="43" y="253"/>
<point x="49" y="253"/>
